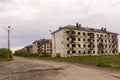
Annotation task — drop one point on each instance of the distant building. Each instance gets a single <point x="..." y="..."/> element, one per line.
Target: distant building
<point x="29" y="48"/>
<point x="77" y="40"/>
<point x="42" y="45"/>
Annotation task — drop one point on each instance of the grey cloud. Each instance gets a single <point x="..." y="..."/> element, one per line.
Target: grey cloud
<point x="33" y="19"/>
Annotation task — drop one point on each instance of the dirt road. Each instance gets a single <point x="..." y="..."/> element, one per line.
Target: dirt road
<point x="31" y="69"/>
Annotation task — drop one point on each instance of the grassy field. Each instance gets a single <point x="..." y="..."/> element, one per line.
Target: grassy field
<point x="4" y="59"/>
<point x="111" y="61"/>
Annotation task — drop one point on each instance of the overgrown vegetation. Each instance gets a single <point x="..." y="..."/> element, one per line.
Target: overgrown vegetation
<point x="25" y="53"/>
<point x="112" y="61"/>
<point x="5" y="54"/>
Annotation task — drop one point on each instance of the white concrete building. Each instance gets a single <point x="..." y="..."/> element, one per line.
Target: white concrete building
<point x="77" y="40"/>
<point x="42" y="45"/>
<point x="29" y="48"/>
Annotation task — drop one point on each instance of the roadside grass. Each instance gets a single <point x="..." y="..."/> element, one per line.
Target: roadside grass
<point x="110" y="61"/>
<point x="5" y="55"/>
<point x="4" y="59"/>
<point x="26" y="54"/>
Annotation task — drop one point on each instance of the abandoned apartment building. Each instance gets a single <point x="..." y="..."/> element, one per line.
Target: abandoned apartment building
<point x="77" y="40"/>
<point x="42" y="45"/>
<point x="29" y="48"/>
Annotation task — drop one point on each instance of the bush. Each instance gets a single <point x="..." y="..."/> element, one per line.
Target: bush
<point x="5" y="53"/>
<point x="45" y="55"/>
<point x="24" y="53"/>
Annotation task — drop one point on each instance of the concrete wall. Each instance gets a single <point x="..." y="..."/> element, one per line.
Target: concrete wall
<point x="59" y="42"/>
<point x="35" y="48"/>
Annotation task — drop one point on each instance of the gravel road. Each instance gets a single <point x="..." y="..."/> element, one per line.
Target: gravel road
<point x="33" y="69"/>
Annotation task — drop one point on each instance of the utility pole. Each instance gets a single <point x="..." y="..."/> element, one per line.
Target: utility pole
<point x="8" y="30"/>
<point x="9" y="37"/>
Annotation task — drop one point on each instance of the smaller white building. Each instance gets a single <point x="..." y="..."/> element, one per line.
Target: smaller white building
<point x="42" y="45"/>
<point x="29" y="48"/>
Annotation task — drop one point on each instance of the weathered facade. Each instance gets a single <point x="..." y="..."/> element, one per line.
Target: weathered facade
<point x="29" y="48"/>
<point x="77" y="40"/>
<point x="42" y="45"/>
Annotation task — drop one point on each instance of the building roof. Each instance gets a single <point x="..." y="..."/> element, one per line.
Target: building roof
<point x="43" y="41"/>
<point x="79" y="27"/>
<point x="29" y="46"/>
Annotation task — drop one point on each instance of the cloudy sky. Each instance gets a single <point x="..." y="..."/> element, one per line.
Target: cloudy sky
<point x="32" y="19"/>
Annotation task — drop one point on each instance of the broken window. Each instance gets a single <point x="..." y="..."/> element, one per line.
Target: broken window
<point x="93" y="51"/>
<point x="84" y="39"/>
<point x="68" y="52"/>
<point x="68" y="45"/>
<point x="84" y="52"/>
<point x="105" y="40"/>
<point x="73" y="45"/>
<point x="73" y="52"/>
<point x="78" y="39"/>
<point x="88" y="39"/>
<point x="101" y="40"/>
<point x="105" y="35"/>
<point x="78" y="33"/>
<point x="97" y="40"/>
<point x="84" y="46"/>
<point x="67" y="32"/>
<point x="101" y="35"/>
<point x="73" y="39"/>
<point x="83" y="33"/>
<point x="67" y="39"/>
<point x="109" y="46"/>
<point x="106" y="46"/>
<point x="88" y="46"/>
<point x="78" y="45"/>
<point x="98" y="35"/>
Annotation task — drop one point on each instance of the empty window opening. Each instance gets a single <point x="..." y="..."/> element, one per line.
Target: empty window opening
<point x="78" y="33"/>
<point x="83" y="33"/>
<point x="78" y="39"/>
<point x="79" y="45"/>
<point x="68" y="45"/>
<point x="73" y="45"/>
<point x="73" y="52"/>
<point x="67" y="39"/>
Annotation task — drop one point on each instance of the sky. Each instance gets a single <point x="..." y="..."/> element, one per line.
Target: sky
<point x="33" y="19"/>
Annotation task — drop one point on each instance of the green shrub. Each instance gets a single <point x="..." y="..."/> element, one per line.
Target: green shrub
<point x="24" y="53"/>
<point x="5" y="53"/>
<point x="45" y="55"/>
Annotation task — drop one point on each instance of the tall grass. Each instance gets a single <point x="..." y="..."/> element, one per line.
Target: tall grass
<point x="25" y="53"/>
<point x="5" y="54"/>
<point x="112" y="61"/>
